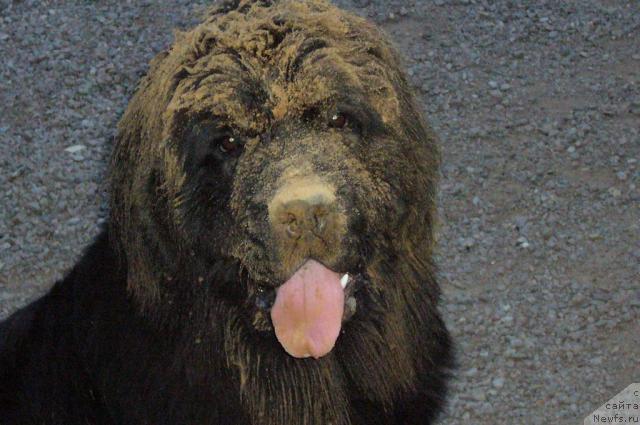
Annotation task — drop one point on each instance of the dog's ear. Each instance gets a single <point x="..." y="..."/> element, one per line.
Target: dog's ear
<point x="241" y="6"/>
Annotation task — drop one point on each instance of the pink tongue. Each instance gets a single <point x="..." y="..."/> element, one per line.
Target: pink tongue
<point x="307" y="313"/>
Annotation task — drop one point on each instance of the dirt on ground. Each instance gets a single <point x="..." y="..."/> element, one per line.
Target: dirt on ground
<point x="537" y="105"/>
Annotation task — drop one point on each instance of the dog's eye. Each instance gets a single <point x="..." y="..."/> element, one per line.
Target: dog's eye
<point x="229" y="144"/>
<point x="338" y="120"/>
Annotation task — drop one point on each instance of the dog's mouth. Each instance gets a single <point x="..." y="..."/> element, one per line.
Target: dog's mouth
<point x="308" y="310"/>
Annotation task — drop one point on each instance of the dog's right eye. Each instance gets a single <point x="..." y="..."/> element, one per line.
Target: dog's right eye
<point x="229" y="144"/>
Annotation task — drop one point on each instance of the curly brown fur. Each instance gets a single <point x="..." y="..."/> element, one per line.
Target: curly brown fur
<point x="158" y="323"/>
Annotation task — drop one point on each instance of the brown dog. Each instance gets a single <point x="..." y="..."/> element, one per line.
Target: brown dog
<point x="268" y="255"/>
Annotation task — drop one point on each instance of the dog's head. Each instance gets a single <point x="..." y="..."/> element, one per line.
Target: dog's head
<point x="275" y="156"/>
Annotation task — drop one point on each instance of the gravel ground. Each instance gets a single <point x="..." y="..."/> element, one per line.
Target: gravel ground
<point x="538" y="107"/>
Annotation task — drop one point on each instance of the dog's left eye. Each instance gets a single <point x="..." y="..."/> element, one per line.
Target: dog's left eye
<point x="338" y="120"/>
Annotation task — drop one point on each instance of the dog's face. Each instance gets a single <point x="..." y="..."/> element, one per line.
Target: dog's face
<point x="286" y="145"/>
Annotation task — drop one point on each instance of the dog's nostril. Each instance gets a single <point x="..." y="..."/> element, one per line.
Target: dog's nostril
<point x="291" y="219"/>
<point x="320" y="219"/>
<point x="293" y="230"/>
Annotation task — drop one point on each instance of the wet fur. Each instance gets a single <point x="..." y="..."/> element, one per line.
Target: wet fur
<point x="155" y="325"/>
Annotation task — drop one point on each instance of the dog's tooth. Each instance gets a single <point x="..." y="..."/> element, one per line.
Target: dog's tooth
<point x="344" y="280"/>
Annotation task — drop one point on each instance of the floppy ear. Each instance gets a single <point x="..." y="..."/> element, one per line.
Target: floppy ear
<point x="137" y="128"/>
<point x="134" y="170"/>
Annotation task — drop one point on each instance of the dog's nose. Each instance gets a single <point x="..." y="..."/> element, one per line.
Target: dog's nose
<point x="307" y="221"/>
<point x="301" y="216"/>
<point x="305" y="208"/>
